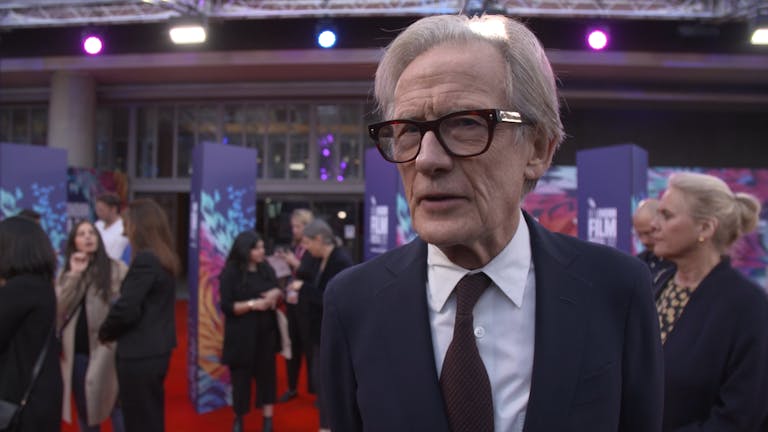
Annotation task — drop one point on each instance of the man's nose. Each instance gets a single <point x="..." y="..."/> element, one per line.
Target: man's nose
<point x="432" y="156"/>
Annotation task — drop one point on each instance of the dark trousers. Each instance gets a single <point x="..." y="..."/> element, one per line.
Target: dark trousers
<point x="263" y="370"/>
<point x="298" y="330"/>
<point x="142" y="393"/>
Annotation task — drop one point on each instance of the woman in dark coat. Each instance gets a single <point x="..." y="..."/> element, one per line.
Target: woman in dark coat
<point x="249" y="294"/>
<point x="714" y="321"/>
<point x="142" y="321"/>
<point x="27" y="314"/>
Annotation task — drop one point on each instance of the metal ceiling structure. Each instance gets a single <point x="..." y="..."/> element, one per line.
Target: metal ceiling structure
<point x="43" y="13"/>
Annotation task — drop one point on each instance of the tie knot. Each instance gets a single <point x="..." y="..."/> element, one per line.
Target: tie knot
<point x="468" y="291"/>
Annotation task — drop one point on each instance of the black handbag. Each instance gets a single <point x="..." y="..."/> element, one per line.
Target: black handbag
<point x="10" y="412"/>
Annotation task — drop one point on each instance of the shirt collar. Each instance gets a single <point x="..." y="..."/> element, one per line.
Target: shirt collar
<point x="508" y="270"/>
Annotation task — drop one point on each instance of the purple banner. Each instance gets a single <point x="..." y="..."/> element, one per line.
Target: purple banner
<point x="222" y="204"/>
<point x="611" y="180"/>
<point x="380" y="206"/>
<point x="35" y="178"/>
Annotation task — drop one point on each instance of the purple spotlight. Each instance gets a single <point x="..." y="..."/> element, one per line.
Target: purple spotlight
<point x="323" y="176"/>
<point x="92" y="44"/>
<point x="326" y="152"/>
<point x="339" y="178"/>
<point x="597" y="39"/>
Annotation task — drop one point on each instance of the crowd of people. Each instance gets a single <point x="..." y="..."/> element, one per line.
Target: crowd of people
<point x="104" y="328"/>
<point x="487" y="321"/>
<point x="103" y="331"/>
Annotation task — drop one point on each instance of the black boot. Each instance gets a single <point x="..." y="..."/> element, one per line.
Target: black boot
<point x="237" y="426"/>
<point x="267" y="424"/>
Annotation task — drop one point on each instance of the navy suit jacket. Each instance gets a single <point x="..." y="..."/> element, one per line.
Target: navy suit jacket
<point x="597" y="356"/>
<point x="716" y="357"/>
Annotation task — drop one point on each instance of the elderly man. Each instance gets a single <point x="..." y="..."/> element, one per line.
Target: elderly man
<point x="641" y="222"/>
<point x="487" y="321"/>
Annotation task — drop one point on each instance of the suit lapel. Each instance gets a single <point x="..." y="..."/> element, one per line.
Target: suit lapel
<point x="560" y="331"/>
<point x="407" y="339"/>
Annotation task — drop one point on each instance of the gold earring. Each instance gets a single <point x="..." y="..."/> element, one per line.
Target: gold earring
<point x="701" y="239"/>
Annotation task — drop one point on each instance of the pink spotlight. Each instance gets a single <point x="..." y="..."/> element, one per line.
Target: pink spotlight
<point x="597" y="39"/>
<point x="92" y="45"/>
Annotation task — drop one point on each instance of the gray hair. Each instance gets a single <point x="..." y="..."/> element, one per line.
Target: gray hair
<point x="710" y="197"/>
<point x="530" y="85"/>
<point x="319" y="227"/>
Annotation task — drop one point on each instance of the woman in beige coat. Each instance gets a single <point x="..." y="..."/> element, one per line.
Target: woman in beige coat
<point x="85" y="289"/>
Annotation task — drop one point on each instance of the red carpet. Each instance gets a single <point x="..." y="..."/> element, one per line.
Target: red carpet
<point x="297" y="415"/>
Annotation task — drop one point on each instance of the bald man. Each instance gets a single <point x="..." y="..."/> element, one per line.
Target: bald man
<point x="641" y="221"/>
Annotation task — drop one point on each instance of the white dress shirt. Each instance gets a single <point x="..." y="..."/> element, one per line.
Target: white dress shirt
<point x="112" y="236"/>
<point x="504" y="319"/>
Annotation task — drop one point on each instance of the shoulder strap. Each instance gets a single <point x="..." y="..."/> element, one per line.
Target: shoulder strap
<point x="38" y="366"/>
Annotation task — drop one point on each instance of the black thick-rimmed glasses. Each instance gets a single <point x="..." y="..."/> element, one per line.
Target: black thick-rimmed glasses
<point x="461" y="134"/>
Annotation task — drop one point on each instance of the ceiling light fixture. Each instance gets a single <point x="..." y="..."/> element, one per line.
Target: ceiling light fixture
<point x="188" y="30"/>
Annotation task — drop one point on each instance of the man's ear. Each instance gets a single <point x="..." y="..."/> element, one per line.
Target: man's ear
<point x="541" y="158"/>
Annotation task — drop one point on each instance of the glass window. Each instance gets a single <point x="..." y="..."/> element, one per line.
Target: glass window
<point x="338" y="142"/>
<point x="20" y="126"/>
<point x="186" y="139"/>
<point x="165" y="142"/>
<point x="276" y="156"/>
<point x="146" y="142"/>
<point x="5" y="125"/>
<point x="299" y="154"/>
<point x="232" y="124"/>
<point x="256" y="134"/>
<point x="293" y="141"/>
<point x="278" y="126"/>
<point x="112" y="125"/>
<point x="38" y="128"/>
<point x="298" y="140"/>
<point x="349" y="156"/>
<point x="103" y="134"/>
<point x="288" y="141"/>
<point x="207" y="124"/>
<point x="121" y="123"/>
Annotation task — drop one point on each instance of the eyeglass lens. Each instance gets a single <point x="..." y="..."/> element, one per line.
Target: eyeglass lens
<point x="463" y="135"/>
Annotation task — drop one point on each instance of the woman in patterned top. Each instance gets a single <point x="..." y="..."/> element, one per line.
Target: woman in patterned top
<point x="714" y="321"/>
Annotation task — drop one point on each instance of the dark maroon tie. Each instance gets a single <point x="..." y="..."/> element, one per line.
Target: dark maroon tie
<point x="463" y="379"/>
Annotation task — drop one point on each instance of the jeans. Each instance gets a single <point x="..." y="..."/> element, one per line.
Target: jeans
<point x="78" y="388"/>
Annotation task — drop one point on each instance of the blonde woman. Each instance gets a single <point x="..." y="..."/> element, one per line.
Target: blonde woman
<point x="714" y="321"/>
<point x="84" y="290"/>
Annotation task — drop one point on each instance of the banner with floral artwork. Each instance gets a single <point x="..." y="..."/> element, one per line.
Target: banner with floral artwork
<point x="222" y="204"/>
<point x="35" y="178"/>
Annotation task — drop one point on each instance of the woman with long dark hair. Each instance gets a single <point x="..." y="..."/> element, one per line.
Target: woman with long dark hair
<point x="88" y="284"/>
<point x="142" y="320"/>
<point x="27" y="319"/>
<point x="249" y="294"/>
